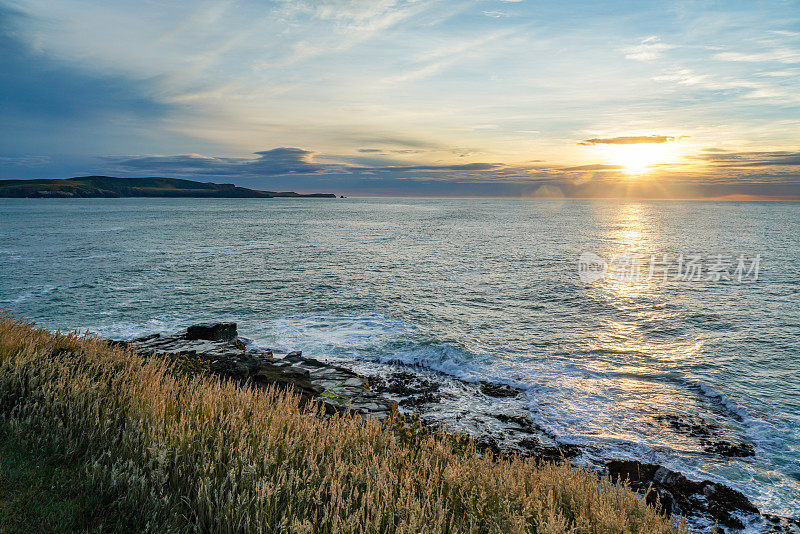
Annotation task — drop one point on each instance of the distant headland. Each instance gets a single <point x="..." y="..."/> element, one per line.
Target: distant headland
<point x="110" y="187"/>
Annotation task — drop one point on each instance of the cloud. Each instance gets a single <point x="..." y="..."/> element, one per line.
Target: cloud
<point x="595" y="167"/>
<point x="57" y="107"/>
<point x="26" y="161"/>
<point x="434" y="61"/>
<point x="36" y="87"/>
<point x="274" y="162"/>
<point x="463" y="167"/>
<point x="751" y="159"/>
<point x="780" y="55"/>
<point x="648" y="50"/>
<point x="627" y="140"/>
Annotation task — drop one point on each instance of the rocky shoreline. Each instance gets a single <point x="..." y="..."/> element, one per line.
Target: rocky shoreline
<point x="218" y="348"/>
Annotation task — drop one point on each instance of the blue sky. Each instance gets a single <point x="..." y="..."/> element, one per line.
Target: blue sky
<point x="679" y="99"/>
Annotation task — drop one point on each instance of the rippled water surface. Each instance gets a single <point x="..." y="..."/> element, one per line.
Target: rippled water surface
<point x="479" y="289"/>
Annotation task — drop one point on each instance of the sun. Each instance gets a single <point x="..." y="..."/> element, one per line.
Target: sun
<point x="641" y="157"/>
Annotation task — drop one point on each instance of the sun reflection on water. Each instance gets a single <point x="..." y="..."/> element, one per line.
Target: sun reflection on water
<point x="636" y="339"/>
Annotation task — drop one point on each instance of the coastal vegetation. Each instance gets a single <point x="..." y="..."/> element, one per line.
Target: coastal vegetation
<point x="160" y="445"/>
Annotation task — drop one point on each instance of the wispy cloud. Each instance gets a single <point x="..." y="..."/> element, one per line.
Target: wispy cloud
<point x="595" y="167"/>
<point x="434" y="61"/>
<point x="752" y="159"/>
<point x="780" y="55"/>
<point x="627" y="140"/>
<point x="649" y="49"/>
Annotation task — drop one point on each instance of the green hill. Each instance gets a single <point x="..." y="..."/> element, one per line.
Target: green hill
<point x="109" y="187"/>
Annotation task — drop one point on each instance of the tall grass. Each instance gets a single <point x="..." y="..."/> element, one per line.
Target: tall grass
<point x="194" y="453"/>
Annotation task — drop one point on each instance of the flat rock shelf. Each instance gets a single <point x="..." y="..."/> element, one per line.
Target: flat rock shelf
<point x="228" y="356"/>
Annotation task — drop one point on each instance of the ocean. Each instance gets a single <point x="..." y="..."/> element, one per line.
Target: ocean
<point x="683" y="332"/>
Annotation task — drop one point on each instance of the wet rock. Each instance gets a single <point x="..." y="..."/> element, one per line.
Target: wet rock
<point x="404" y="384"/>
<point x="710" y="436"/>
<point x="486" y="444"/>
<point x="690" y="426"/>
<point x="534" y="448"/>
<point x="724" y="448"/>
<point x="520" y="420"/>
<point x="418" y="400"/>
<point x="498" y="390"/>
<point x="679" y="495"/>
<point x="780" y="525"/>
<point x="212" y="331"/>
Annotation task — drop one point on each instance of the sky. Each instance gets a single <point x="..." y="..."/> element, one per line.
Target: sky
<point x="421" y="98"/>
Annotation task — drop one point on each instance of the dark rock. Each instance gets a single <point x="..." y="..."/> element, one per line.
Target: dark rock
<point x="486" y="444"/>
<point x="724" y="448"/>
<point x="405" y="384"/>
<point x="498" y="390"/>
<point x="706" y="431"/>
<point x="690" y="426"/>
<point x="126" y="344"/>
<point x="780" y="525"/>
<point x="679" y="495"/>
<point x="535" y="449"/>
<point x="145" y="338"/>
<point x="212" y="331"/>
<point x="519" y="420"/>
<point x="420" y="399"/>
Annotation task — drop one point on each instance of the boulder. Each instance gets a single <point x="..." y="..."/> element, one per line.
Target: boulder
<point x="498" y="391"/>
<point x="212" y="331"/>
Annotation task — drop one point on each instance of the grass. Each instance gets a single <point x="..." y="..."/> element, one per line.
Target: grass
<point x="42" y="493"/>
<point x="156" y="449"/>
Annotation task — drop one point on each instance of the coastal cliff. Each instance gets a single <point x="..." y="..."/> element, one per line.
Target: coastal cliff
<point x="110" y="187"/>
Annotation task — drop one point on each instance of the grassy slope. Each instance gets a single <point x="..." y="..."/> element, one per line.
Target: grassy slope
<point x="165" y="451"/>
